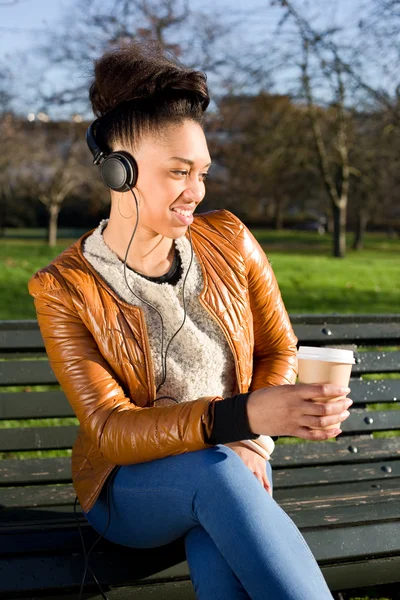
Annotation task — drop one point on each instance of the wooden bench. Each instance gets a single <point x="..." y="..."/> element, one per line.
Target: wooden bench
<point x="343" y="495"/>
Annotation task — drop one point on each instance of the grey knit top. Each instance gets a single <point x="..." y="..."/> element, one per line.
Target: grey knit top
<point x="199" y="359"/>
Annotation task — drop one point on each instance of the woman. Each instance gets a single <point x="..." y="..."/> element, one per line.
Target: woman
<point x="175" y="350"/>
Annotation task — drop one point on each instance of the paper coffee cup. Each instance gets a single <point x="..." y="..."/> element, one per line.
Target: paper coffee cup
<point x="325" y="365"/>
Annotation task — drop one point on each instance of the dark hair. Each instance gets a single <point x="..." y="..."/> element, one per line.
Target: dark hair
<point x="138" y="90"/>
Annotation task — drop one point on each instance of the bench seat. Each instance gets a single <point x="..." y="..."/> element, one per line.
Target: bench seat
<point x="344" y="494"/>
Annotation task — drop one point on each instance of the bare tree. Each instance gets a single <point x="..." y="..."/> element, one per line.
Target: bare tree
<point x="56" y="167"/>
<point x="94" y="25"/>
<point x="321" y="53"/>
<point x="11" y="145"/>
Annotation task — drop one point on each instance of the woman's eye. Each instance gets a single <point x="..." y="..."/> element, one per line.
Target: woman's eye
<point x="184" y="173"/>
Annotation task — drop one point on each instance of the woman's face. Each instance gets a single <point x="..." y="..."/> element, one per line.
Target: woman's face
<point x="172" y="172"/>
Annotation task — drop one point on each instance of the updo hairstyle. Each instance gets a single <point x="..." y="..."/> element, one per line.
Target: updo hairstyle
<point x="137" y="90"/>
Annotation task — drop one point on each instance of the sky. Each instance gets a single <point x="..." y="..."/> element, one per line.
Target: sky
<point x="21" y="21"/>
<point x="24" y="23"/>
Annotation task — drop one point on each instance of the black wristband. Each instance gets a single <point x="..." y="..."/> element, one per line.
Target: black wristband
<point x="231" y="423"/>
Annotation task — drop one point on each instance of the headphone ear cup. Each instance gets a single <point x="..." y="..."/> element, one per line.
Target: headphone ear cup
<point x="119" y="171"/>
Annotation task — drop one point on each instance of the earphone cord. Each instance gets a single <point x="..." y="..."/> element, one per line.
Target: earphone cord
<point x="86" y="555"/>
<point x="164" y="370"/>
<point x="164" y="363"/>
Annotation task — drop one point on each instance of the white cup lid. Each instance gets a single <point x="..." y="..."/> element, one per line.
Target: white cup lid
<point x="326" y="354"/>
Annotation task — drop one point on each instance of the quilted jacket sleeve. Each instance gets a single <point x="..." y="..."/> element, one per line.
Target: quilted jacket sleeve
<point x="274" y="356"/>
<point x="122" y="431"/>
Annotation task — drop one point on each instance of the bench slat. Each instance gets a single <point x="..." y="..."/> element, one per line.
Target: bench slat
<point x="173" y="589"/>
<point x="37" y="495"/>
<point x="366" y="391"/>
<point x="322" y="319"/>
<point x="337" y="494"/>
<point x="361" y="421"/>
<point x="30" y="405"/>
<point x="20" y="335"/>
<point x="22" y="536"/>
<point x="354" y="333"/>
<point x="175" y="583"/>
<point x="318" y="334"/>
<point x="34" y="372"/>
<point x="123" y="565"/>
<point x="329" y="495"/>
<point x="338" y="577"/>
<point x="26" y="372"/>
<point x="35" y="470"/>
<point x="342" y="450"/>
<point x="377" y="362"/>
<point x="344" y="542"/>
<point x="340" y="474"/>
<point x="37" y="438"/>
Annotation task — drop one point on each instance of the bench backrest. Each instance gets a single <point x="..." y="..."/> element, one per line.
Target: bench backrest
<point x="370" y="441"/>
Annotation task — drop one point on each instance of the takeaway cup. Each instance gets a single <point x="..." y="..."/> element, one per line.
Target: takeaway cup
<point x="325" y="365"/>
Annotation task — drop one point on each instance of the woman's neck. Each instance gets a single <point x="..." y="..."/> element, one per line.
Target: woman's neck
<point x="151" y="256"/>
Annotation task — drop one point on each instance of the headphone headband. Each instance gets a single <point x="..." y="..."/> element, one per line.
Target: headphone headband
<point x="98" y="154"/>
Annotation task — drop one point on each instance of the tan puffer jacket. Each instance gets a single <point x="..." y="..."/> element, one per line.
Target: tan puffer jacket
<point x="99" y="350"/>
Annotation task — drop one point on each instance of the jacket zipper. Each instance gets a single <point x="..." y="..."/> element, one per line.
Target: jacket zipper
<point x="149" y="358"/>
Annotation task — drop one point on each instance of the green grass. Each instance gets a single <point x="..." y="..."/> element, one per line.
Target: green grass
<point x="310" y="280"/>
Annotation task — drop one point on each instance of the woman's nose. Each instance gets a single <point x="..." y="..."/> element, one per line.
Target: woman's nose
<point x="195" y="190"/>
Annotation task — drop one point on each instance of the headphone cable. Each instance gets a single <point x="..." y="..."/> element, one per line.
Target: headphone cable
<point x="164" y="371"/>
<point x="87" y="554"/>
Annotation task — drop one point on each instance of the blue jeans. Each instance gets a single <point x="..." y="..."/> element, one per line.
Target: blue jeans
<point x="239" y="542"/>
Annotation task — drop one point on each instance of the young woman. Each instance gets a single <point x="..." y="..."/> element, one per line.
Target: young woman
<point x="169" y="337"/>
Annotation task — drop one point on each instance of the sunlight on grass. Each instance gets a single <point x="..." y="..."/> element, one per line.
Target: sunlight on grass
<point x="12" y="424"/>
<point x="310" y="279"/>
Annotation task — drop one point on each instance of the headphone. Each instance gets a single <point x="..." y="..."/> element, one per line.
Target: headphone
<point x="119" y="172"/>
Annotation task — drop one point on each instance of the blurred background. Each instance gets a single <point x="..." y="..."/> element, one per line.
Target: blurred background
<point x="303" y="130"/>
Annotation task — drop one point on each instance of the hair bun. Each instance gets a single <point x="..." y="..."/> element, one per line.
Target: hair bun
<point x="142" y="71"/>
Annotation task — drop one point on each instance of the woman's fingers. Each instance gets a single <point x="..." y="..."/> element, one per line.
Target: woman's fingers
<point x="322" y="409"/>
<point x="263" y="479"/>
<point x="317" y="434"/>
<point x="321" y="390"/>
<point x="321" y="422"/>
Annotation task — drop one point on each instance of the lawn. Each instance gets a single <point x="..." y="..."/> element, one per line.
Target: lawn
<point x="311" y="281"/>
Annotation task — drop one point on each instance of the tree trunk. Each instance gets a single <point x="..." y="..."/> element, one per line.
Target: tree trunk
<point x="339" y="229"/>
<point x="278" y="216"/>
<point x="3" y="216"/>
<point x="359" y="236"/>
<point x="329" y="223"/>
<point x="53" y="223"/>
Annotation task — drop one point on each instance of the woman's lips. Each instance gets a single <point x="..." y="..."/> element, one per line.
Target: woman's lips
<point x="186" y="220"/>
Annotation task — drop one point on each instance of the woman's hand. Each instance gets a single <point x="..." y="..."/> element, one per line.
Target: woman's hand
<point x="301" y="410"/>
<point x="254" y="461"/>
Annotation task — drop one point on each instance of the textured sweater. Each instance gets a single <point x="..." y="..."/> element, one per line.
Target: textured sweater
<point x="199" y="360"/>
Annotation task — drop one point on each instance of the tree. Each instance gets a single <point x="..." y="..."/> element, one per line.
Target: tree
<point x="55" y="166"/>
<point x="11" y="147"/>
<point x="321" y="53"/>
<point x="264" y="156"/>
<point x="94" y="25"/>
